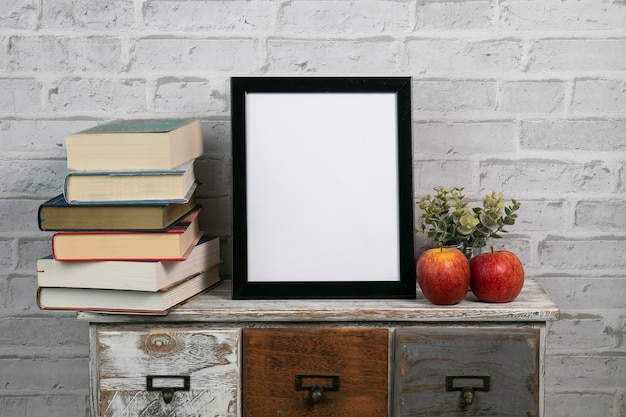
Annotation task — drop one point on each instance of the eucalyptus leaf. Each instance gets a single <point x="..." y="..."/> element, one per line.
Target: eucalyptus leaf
<point x="446" y="217"/>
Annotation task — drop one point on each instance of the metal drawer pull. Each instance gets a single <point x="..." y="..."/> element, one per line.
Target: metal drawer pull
<point x="168" y="385"/>
<point x="317" y="390"/>
<point x="466" y="385"/>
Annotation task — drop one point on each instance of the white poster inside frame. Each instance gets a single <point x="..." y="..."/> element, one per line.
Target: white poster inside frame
<point x="321" y="187"/>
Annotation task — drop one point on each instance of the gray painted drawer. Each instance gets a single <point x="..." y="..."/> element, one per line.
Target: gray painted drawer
<point x="497" y="367"/>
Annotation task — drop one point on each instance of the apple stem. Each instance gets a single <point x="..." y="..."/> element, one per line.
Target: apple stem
<point x="441" y="246"/>
<point x="491" y="246"/>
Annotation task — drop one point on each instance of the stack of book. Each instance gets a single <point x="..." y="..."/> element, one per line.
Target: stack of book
<point x="126" y="230"/>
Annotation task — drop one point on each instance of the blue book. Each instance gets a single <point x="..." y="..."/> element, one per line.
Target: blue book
<point x="116" y="187"/>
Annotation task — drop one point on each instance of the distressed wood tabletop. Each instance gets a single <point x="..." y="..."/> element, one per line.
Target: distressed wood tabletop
<point x="216" y="306"/>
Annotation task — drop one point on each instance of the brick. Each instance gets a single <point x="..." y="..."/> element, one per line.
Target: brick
<point x="592" y="254"/>
<point x="581" y="332"/>
<point x="601" y="215"/>
<point x="226" y="253"/>
<point x="622" y="178"/>
<point x="580" y="135"/>
<point x="89" y="14"/>
<point x="193" y="55"/>
<point x="546" y="176"/>
<point x="216" y="217"/>
<point x="21" y="296"/>
<point x="578" y="55"/>
<point x="59" y="53"/>
<point x="44" y="332"/>
<point x="20" y="215"/>
<point x="454" y="16"/>
<point x="6" y="252"/>
<point x="4" y="57"/>
<point x="57" y="405"/>
<point x="216" y="134"/>
<point x="19" y="14"/>
<point x="345" y="17"/>
<point x="454" y="95"/>
<point x="573" y="294"/>
<point x="599" y="96"/>
<point x="441" y="173"/>
<point x="175" y="95"/>
<point x="38" y="136"/>
<point x="43" y="374"/>
<point x="220" y="16"/>
<point x="578" y="404"/>
<point x="533" y="97"/>
<point x="550" y="15"/>
<point x="490" y="56"/>
<point x="213" y="175"/>
<point x="29" y="250"/>
<point x="20" y="96"/>
<point x="98" y="96"/>
<point x="333" y="56"/>
<point x="464" y="138"/>
<point x="580" y="372"/>
<point x="544" y="215"/>
<point x="31" y="177"/>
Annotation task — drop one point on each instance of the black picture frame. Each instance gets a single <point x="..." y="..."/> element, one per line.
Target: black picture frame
<point x="322" y="187"/>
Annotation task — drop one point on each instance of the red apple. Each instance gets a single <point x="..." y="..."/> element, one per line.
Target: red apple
<point x="497" y="277"/>
<point x="443" y="275"/>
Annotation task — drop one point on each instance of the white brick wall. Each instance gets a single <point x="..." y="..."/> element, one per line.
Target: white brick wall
<point x="523" y="96"/>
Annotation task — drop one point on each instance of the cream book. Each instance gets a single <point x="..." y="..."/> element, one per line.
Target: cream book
<point x="172" y="244"/>
<point x="128" y="275"/>
<point x="135" y="145"/>
<point x="128" y="302"/>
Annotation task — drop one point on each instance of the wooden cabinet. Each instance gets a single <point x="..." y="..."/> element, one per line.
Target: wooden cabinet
<point x="254" y="358"/>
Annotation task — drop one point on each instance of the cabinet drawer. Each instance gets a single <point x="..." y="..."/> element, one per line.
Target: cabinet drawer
<point x="286" y="369"/>
<point x="139" y="369"/>
<point x="497" y="370"/>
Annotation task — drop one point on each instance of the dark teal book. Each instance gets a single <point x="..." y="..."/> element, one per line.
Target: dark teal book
<point x="135" y="145"/>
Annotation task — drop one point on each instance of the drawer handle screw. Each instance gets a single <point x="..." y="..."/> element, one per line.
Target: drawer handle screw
<point x="468" y="385"/>
<point x="317" y="390"/>
<point x="316" y="394"/>
<point x="168" y="385"/>
<point x="468" y="395"/>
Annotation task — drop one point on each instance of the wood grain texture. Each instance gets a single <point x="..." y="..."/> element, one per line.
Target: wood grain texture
<point x="125" y="357"/>
<point x="273" y="358"/>
<point x="510" y="357"/>
<point x="532" y="305"/>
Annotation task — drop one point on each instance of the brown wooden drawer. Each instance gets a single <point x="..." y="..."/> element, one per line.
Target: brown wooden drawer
<point x="350" y="364"/>
<point x="435" y="364"/>
<point x="128" y="357"/>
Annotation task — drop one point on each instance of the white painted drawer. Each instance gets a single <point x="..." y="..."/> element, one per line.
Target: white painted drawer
<point x="138" y="370"/>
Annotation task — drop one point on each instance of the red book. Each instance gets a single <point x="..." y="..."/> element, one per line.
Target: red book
<point x="170" y="245"/>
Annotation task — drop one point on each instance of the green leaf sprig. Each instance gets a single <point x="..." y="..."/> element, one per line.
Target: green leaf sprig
<point x="446" y="217"/>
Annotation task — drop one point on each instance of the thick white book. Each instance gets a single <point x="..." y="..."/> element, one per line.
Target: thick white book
<point x="128" y="275"/>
